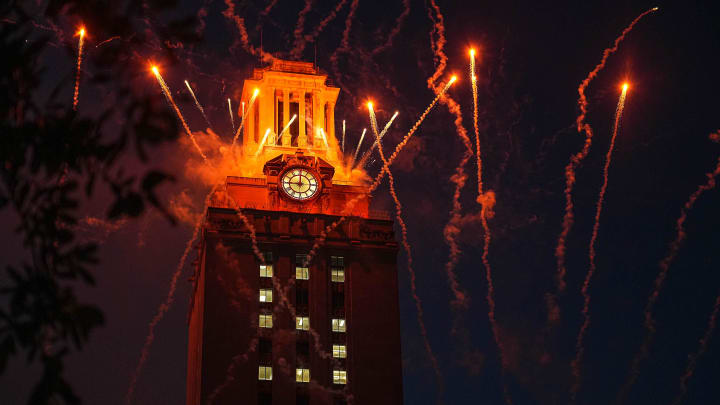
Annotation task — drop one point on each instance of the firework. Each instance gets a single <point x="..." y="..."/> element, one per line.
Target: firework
<point x="287" y="125"/>
<point x="576" y="159"/>
<point x="322" y="133"/>
<point x="197" y="103"/>
<point x="264" y="138"/>
<point x="81" y="44"/>
<point x="242" y="120"/>
<point x="375" y="144"/>
<point x="473" y="81"/>
<point x="405" y="243"/>
<point x="168" y="96"/>
<point x="242" y="106"/>
<point x="579" y="346"/>
<point x="232" y="116"/>
<point x="343" y="138"/>
<point x="693" y="358"/>
<point x="665" y="263"/>
<point x="165" y="306"/>
<point x="362" y="136"/>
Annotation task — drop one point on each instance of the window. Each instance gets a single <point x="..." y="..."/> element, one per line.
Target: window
<point x="302" y="349"/>
<point x="264" y="398"/>
<point x="266" y="321"/>
<point x="301" y="297"/>
<point x="339" y="351"/>
<point x="302" y="323"/>
<point x="266" y="270"/>
<point x="265" y="295"/>
<point x="337" y="269"/>
<point x="302" y="400"/>
<point x="338" y="275"/>
<point x="339" y="377"/>
<point x="338" y="325"/>
<point x="265" y="373"/>
<point x="265" y="346"/>
<point x="302" y="272"/>
<point x="302" y="375"/>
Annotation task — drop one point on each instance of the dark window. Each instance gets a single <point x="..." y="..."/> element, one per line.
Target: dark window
<point x="301" y="298"/>
<point x="302" y="400"/>
<point x="265" y="346"/>
<point x="264" y="398"/>
<point x="280" y="119"/>
<point x="339" y="401"/>
<point x="309" y="116"/>
<point x="302" y="348"/>
<point x="337" y="261"/>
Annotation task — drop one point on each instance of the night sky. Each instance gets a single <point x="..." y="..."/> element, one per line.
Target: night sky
<point x="532" y="58"/>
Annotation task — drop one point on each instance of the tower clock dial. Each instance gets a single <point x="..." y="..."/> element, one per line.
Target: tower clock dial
<point x="299" y="184"/>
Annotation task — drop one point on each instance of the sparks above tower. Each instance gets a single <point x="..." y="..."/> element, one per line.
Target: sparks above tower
<point x="282" y="329"/>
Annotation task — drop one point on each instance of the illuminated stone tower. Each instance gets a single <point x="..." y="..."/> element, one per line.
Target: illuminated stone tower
<point x="287" y="331"/>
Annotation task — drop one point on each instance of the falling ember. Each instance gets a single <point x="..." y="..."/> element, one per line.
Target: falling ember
<point x="473" y="81"/>
<point x="242" y="120"/>
<point x="232" y="116"/>
<point x="675" y="245"/>
<point x="579" y="345"/>
<point x="242" y="108"/>
<point x="322" y="133"/>
<point x="375" y="144"/>
<point x="170" y="100"/>
<point x="576" y="159"/>
<point x="693" y="358"/>
<point x="81" y="44"/>
<point x="343" y="138"/>
<point x="197" y="103"/>
<point x="403" y="228"/>
<point x="262" y="143"/>
<point x="357" y="150"/>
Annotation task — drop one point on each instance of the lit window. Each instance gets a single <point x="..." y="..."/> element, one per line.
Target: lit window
<point x="339" y="377"/>
<point x="265" y="373"/>
<point x="302" y="323"/>
<point x="337" y="269"/>
<point x="338" y="275"/>
<point x="266" y="270"/>
<point x="339" y="351"/>
<point x="302" y="271"/>
<point x="302" y="375"/>
<point x="265" y="295"/>
<point x="266" y="321"/>
<point x="338" y="325"/>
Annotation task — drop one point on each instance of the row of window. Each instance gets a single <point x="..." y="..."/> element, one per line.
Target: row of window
<point x="302" y="271"/>
<point x="302" y="323"/>
<point x="302" y="375"/>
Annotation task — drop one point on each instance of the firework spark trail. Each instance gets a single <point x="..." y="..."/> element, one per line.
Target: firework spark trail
<point x="299" y="45"/>
<point x="375" y="144"/>
<point x="357" y="150"/>
<point x="262" y="143"/>
<point x="396" y="29"/>
<point x="320" y="240"/>
<point x="232" y="116"/>
<point x="579" y="345"/>
<point x="575" y="160"/>
<point x="473" y="80"/>
<point x="344" y="43"/>
<point x="406" y="245"/>
<point x="675" y="245"/>
<point x="301" y="41"/>
<point x="693" y="358"/>
<point x="487" y="200"/>
<point x="229" y="13"/>
<point x="343" y="138"/>
<point x="170" y="100"/>
<point x="242" y="120"/>
<point x="165" y="306"/>
<point x="197" y="104"/>
<point x="81" y="43"/>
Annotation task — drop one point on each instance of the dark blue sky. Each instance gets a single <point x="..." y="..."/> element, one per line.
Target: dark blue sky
<point x="533" y="57"/>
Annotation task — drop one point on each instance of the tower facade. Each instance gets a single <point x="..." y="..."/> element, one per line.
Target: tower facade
<point x="266" y="325"/>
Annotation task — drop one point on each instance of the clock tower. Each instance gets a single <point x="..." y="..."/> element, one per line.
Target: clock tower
<point x="281" y="329"/>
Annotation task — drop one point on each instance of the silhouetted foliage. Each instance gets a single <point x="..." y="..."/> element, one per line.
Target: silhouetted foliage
<point x="53" y="158"/>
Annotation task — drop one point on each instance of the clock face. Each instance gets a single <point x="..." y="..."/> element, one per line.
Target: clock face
<point x="299" y="184"/>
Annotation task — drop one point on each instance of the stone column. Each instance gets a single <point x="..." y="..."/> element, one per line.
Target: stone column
<point x="301" y="115"/>
<point x="331" y="121"/>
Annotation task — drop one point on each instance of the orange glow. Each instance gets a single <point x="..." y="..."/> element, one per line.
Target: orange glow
<point x="370" y="105"/>
<point x="472" y="52"/>
<point x="655" y="8"/>
<point x="453" y="79"/>
<point x="624" y="86"/>
<point x="81" y="32"/>
<point x="256" y="92"/>
<point x="154" y="69"/>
